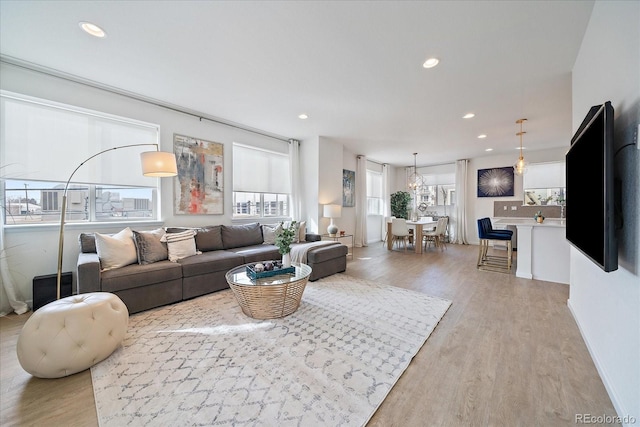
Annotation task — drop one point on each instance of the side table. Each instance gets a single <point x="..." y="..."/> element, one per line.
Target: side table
<point x="337" y="238"/>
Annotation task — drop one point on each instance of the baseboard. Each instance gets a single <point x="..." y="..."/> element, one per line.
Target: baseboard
<point x="601" y="371"/>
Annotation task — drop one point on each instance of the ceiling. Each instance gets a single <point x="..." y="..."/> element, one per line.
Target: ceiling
<point x="354" y="67"/>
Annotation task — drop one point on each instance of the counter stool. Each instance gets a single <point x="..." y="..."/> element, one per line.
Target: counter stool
<point x="72" y="334"/>
<point x="486" y="233"/>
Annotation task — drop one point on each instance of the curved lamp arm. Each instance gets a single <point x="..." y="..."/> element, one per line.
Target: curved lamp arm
<point x="156" y="163"/>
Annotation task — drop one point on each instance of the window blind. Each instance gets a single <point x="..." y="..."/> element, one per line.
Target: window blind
<point x="545" y="175"/>
<point x="44" y="140"/>
<point x="260" y="171"/>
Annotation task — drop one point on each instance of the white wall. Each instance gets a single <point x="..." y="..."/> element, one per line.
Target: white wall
<point x="606" y="306"/>
<point x="32" y="251"/>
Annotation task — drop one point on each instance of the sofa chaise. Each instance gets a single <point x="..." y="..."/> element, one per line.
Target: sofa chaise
<point x="143" y="286"/>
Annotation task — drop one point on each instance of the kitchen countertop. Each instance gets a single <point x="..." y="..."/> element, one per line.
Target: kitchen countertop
<point x="549" y="222"/>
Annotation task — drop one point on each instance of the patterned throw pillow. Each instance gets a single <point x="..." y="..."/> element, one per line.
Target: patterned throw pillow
<point x="180" y="245"/>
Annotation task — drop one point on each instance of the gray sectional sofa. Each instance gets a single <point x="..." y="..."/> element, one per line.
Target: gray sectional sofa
<point x="145" y="286"/>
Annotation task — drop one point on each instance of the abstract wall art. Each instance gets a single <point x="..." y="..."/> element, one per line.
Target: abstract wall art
<point x="495" y="182"/>
<point x="198" y="187"/>
<point x="348" y="188"/>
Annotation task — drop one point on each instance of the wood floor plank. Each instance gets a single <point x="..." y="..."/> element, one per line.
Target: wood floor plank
<point x="507" y="352"/>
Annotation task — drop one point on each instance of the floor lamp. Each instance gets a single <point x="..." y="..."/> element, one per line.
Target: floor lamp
<point x="154" y="164"/>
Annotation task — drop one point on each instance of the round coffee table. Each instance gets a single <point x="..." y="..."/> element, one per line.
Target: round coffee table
<point x="268" y="297"/>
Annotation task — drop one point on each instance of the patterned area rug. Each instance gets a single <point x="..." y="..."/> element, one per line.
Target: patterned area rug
<point x="203" y="362"/>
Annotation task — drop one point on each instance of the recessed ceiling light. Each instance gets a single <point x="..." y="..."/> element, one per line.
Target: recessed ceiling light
<point x="489" y="149"/>
<point x="431" y="62"/>
<point x="468" y="116"/>
<point x="303" y="116"/>
<point x="92" y="29"/>
<point x="518" y="148"/>
<point x="483" y="136"/>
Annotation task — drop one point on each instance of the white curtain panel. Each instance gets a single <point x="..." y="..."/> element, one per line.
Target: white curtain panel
<point x="460" y="229"/>
<point x="386" y="197"/>
<point x="361" y="202"/>
<point x="9" y="300"/>
<point x="294" y="170"/>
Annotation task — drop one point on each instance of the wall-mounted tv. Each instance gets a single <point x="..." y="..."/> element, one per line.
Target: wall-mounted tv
<point x="590" y="211"/>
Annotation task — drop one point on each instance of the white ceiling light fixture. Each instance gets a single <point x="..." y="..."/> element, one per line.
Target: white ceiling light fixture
<point x="431" y="62"/>
<point x="303" y="116"/>
<point x="520" y="167"/>
<point x="92" y="29"/>
<point x="482" y="136"/>
<point x="468" y="116"/>
<point x="488" y="149"/>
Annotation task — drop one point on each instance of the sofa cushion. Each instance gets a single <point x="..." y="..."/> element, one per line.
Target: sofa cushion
<point x="209" y="262"/>
<point x="149" y="247"/>
<point x="209" y="238"/>
<point x="257" y="253"/>
<point x="116" y="251"/>
<point x="87" y="243"/>
<point x="235" y="236"/>
<point x="136" y="275"/>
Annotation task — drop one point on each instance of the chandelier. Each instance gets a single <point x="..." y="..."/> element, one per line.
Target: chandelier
<point x="415" y="180"/>
<point x="521" y="166"/>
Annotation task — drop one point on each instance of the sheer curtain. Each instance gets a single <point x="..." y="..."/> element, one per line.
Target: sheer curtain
<point x="386" y="198"/>
<point x="294" y="171"/>
<point x="361" y="202"/>
<point x="460" y="233"/>
<point x="9" y="300"/>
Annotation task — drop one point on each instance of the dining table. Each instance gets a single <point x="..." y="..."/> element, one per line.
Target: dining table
<point x="419" y="225"/>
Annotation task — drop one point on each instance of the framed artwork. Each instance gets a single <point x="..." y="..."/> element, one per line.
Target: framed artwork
<point x="495" y="182"/>
<point x="348" y="188"/>
<point x="198" y="187"/>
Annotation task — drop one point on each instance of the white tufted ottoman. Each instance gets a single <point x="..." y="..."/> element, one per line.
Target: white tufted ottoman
<point x="72" y="334"/>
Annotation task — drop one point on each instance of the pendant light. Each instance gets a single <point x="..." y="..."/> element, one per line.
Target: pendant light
<point x="415" y="180"/>
<point x="521" y="166"/>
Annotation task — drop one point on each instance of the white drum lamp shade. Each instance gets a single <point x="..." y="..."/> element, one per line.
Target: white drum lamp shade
<point x="158" y="163"/>
<point x="332" y="211"/>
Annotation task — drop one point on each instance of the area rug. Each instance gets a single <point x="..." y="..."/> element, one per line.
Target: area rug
<point x="204" y="363"/>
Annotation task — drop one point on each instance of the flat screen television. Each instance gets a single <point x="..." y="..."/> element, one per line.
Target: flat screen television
<point x="590" y="211"/>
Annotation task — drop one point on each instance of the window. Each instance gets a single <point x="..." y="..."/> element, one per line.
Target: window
<point x="39" y="202"/>
<point x="375" y="203"/>
<point x="261" y="183"/>
<point x="544" y="184"/>
<point x="41" y="144"/>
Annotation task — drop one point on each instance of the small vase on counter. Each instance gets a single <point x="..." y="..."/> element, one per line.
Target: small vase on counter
<point x="539" y="217"/>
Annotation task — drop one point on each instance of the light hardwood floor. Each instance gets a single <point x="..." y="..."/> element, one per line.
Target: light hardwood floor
<point x="507" y="353"/>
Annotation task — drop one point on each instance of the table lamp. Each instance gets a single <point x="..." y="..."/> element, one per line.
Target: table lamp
<point x="332" y="211"/>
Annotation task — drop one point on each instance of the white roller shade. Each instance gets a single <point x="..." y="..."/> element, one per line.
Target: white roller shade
<point x="43" y="140"/>
<point x="260" y="171"/>
<point x="545" y="175"/>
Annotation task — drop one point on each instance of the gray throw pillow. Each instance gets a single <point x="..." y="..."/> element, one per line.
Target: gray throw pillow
<point x="270" y="232"/>
<point x="209" y="238"/>
<point x="87" y="243"/>
<point x="149" y="247"/>
<point x="236" y="236"/>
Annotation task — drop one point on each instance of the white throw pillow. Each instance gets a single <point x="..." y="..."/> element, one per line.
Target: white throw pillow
<point x="269" y="233"/>
<point x="181" y="245"/>
<point x="116" y="251"/>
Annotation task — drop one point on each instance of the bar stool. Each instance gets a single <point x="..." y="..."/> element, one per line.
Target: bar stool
<point x="487" y="233"/>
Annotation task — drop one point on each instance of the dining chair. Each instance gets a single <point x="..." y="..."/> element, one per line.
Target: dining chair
<point x="399" y="231"/>
<point x="437" y="236"/>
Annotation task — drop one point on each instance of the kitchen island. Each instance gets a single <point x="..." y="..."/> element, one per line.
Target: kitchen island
<point x="543" y="251"/>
